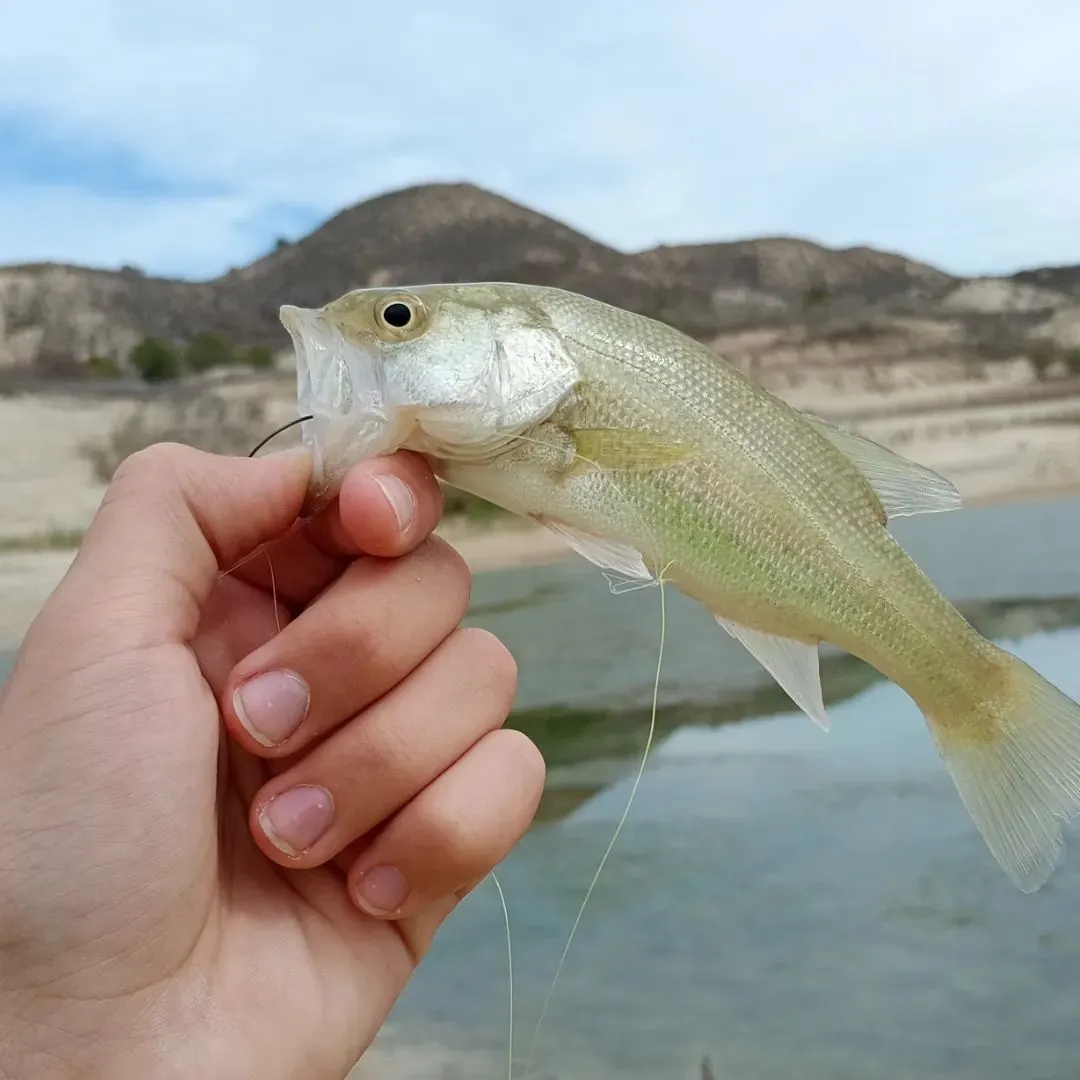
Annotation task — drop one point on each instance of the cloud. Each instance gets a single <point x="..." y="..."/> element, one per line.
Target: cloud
<point x="186" y="137"/>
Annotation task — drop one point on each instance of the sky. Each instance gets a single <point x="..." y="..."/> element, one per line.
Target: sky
<point x="184" y="137"/>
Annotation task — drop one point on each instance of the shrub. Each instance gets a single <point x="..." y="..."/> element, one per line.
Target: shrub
<point x="103" y="367"/>
<point x="1042" y="353"/>
<point x="208" y="350"/>
<point x="259" y="356"/>
<point x="206" y="421"/>
<point x="155" y="360"/>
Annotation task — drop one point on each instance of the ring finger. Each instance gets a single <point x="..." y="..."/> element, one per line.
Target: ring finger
<point x="449" y="837"/>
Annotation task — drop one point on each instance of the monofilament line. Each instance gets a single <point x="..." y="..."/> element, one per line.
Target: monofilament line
<point x="273" y="580"/>
<point x="275" y="434"/>
<point x="618" y="827"/>
<point x="510" y="974"/>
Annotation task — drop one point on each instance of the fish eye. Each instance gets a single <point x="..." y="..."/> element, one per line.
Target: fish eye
<point x="397" y="314"/>
<point x="400" y="315"/>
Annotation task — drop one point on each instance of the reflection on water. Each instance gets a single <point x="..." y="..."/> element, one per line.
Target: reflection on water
<point x="789" y="903"/>
<point x="588" y="749"/>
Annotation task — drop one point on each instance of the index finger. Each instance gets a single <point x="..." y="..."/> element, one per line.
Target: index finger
<point x="387" y="507"/>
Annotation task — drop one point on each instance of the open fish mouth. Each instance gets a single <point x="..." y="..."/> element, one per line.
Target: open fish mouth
<point x="339" y="386"/>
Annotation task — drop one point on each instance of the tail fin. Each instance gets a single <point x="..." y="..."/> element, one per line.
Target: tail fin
<point x="1016" y="764"/>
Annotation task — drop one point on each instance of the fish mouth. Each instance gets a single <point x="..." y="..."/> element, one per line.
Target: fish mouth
<point x="340" y="389"/>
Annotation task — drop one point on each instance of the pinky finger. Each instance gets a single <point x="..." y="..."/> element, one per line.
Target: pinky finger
<point x="449" y="836"/>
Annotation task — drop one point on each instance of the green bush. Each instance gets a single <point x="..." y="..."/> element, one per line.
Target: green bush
<point x="155" y="360"/>
<point x="259" y="356"/>
<point x="208" y="350"/>
<point x="1043" y="353"/>
<point x="103" y="367"/>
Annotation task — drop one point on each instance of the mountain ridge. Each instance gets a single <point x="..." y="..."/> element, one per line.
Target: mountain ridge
<point x="54" y="316"/>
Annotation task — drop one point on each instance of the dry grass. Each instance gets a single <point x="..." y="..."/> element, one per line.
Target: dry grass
<point x="223" y="424"/>
<point x="53" y="540"/>
<point x="205" y="420"/>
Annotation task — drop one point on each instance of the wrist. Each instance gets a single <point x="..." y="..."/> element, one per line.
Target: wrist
<point x="69" y="1041"/>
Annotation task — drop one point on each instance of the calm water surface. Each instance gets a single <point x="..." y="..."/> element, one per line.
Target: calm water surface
<point x="790" y="904"/>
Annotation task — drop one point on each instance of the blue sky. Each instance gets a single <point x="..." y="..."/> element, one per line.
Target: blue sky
<point x="185" y="136"/>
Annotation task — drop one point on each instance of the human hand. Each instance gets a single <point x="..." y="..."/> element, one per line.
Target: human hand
<point x="181" y="896"/>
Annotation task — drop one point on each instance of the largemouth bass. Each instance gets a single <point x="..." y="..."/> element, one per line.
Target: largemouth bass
<point x="652" y="455"/>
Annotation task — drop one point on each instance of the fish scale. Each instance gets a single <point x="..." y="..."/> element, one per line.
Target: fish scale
<point x="810" y="538"/>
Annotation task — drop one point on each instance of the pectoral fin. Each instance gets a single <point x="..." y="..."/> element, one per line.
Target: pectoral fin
<point x="902" y="487"/>
<point x="793" y="664"/>
<point x="621" y="448"/>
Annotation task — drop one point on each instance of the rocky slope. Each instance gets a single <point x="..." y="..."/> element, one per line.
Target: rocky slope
<point x="824" y="303"/>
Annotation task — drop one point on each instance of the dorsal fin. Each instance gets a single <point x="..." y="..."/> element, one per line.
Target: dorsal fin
<point x="903" y="487"/>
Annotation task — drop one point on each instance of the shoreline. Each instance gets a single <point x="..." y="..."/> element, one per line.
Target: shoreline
<point x="28" y="577"/>
<point x="1003" y="437"/>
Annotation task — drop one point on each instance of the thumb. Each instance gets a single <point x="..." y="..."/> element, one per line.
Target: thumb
<point x="172" y="519"/>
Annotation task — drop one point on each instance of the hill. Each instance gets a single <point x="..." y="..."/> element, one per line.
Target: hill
<point x="55" y="317"/>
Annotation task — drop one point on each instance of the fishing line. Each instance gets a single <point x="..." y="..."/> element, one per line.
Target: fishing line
<point x="262" y="548"/>
<point x="275" y="434"/>
<point x="494" y="878"/>
<point x="269" y="563"/>
<point x="633" y="791"/>
<point x="622" y="820"/>
<point x="510" y="974"/>
<point x="616" y="589"/>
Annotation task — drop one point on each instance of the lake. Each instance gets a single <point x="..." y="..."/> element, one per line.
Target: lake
<point x="790" y="904"/>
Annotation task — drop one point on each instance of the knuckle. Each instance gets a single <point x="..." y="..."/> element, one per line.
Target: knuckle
<point x="448" y="569"/>
<point x="447" y="558"/>
<point x="530" y="759"/>
<point x="157" y="466"/>
<point x="533" y="768"/>
<point x="491" y="662"/>
<point x="459" y="843"/>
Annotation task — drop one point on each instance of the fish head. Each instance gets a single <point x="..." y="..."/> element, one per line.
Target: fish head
<point x="451" y="371"/>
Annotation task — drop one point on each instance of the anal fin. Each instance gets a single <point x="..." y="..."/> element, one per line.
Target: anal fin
<point x="793" y="664"/>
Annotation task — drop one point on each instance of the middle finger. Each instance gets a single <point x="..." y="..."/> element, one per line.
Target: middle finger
<point x="370" y="628"/>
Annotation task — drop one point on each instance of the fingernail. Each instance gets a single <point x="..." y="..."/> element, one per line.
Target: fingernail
<point x="400" y="497"/>
<point x="294" y="820"/>
<point x="381" y="891"/>
<point x="272" y="706"/>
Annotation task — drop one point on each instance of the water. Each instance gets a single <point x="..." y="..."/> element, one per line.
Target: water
<point x="784" y="902"/>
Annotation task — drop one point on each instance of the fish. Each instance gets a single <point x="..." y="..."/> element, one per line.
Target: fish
<point x="654" y="457"/>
